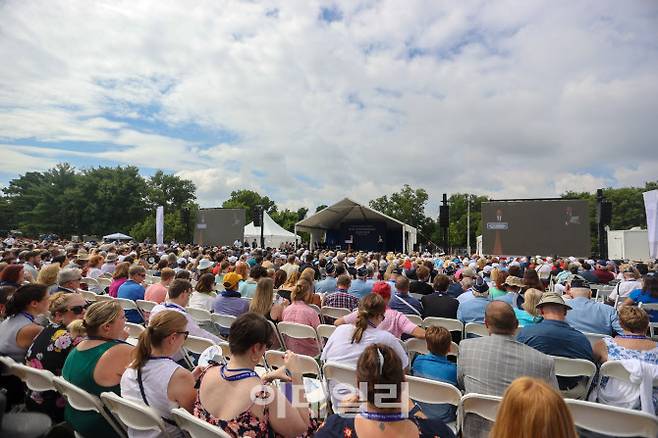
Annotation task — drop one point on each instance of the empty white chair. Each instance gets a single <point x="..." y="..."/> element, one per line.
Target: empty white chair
<point x="275" y="359"/>
<point x="83" y="401"/>
<point x="452" y="325"/>
<point x="104" y="282"/>
<point x="196" y="427"/>
<point x="134" y="330"/>
<point x="475" y="328"/>
<point x="297" y="331"/>
<point x="36" y="380"/>
<point x="415" y="319"/>
<point x="612" y="421"/>
<point x="134" y="415"/>
<point x="201" y="316"/>
<point x="92" y="283"/>
<point x="485" y="406"/>
<point x="567" y="367"/>
<point x="333" y="312"/>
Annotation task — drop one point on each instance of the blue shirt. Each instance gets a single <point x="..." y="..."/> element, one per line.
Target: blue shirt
<point x="432" y="366"/>
<point x="360" y="288"/>
<point x="326" y="285"/>
<point x="397" y="304"/>
<point x="248" y="289"/>
<point x="509" y="298"/>
<point x="131" y="290"/>
<point x="591" y="317"/>
<point x="473" y="310"/>
<point x="455" y="290"/>
<point x="639" y="297"/>
<point x="525" y="318"/>
<point x="556" y="338"/>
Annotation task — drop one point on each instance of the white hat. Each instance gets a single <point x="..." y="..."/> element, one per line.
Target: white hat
<point x="205" y="264"/>
<point x="232" y="259"/>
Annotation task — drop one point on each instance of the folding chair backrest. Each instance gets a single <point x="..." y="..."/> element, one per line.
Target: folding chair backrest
<point x="614" y="368"/>
<point x="92" y="282"/>
<point x="308" y="365"/>
<point x="325" y="331"/>
<point x="486" y="406"/>
<point x="36" y="380"/>
<point x="196" y="427"/>
<point x="453" y="325"/>
<point x="567" y="367"/>
<point x="221" y="320"/>
<point x="333" y="312"/>
<point x="432" y="391"/>
<point x="201" y="316"/>
<point x="134" y="330"/>
<point x="612" y="421"/>
<point x="339" y="373"/>
<point x="415" y="346"/>
<point x="6" y="365"/>
<point x="104" y="282"/>
<point x="88" y="295"/>
<point x="415" y="319"/>
<point x="297" y="331"/>
<point x="475" y="328"/>
<point x="134" y="415"/>
<point x="316" y="308"/>
<point x="197" y="345"/>
<point x="277" y="335"/>
<point x="593" y="338"/>
<point x="127" y="304"/>
<point x="104" y="298"/>
<point x="648" y="306"/>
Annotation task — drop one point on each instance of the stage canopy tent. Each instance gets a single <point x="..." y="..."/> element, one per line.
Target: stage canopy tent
<point x="117" y="236"/>
<point x="273" y="233"/>
<point x="346" y="211"/>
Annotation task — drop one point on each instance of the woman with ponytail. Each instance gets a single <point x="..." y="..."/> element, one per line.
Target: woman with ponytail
<point x="18" y="331"/>
<point x="301" y="313"/>
<point x="50" y="349"/>
<point x="154" y="378"/>
<point x="385" y="412"/>
<point x="97" y="363"/>
<point x="348" y="341"/>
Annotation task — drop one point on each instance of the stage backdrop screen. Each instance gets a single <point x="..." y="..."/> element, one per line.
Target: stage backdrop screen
<point x="543" y="227"/>
<point x="219" y="226"/>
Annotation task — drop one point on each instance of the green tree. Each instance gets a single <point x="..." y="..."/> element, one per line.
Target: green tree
<point x="286" y="218"/>
<point x="458" y="218"/>
<point x="407" y="205"/>
<point x="170" y="191"/>
<point x="249" y="200"/>
<point x="320" y="207"/>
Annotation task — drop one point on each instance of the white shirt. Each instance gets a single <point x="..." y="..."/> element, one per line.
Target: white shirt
<point x="339" y="347"/>
<point x="202" y="301"/>
<point x="192" y="326"/>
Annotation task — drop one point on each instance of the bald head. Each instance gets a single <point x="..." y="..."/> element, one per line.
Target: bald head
<point x="500" y="319"/>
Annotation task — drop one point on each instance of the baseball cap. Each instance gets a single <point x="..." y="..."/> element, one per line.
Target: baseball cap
<point x="578" y="281"/>
<point x="480" y="285"/>
<point x="329" y="268"/>
<point x="552" y="298"/>
<point x="362" y="272"/>
<point x="231" y="280"/>
<point x="487" y="269"/>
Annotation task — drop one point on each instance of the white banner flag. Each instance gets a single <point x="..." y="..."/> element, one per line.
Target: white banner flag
<point x="159" y="225"/>
<point x="651" y="208"/>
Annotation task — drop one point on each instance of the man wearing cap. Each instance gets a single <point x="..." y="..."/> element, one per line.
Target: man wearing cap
<point x="553" y="335"/>
<point x="602" y="272"/>
<point x="472" y="310"/>
<point x="587" y="315"/>
<point x="68" y="280"/>
<point x="458" y="288"/>
<point x="402" y="301"/>
<point x="361" y="286"/>
<point x="513" y="287"/>
<point x="229" y="301"/>
<point x="329" y="283"/>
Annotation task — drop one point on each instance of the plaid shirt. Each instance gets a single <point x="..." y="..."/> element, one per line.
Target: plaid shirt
<point x="342" y="299"/>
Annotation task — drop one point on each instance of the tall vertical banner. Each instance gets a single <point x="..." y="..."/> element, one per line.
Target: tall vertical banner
<point x="159" y="225"/>
<point x="651" y="208"/>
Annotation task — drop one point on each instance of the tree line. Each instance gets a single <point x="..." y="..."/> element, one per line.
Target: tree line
<point x="102" y="200"/>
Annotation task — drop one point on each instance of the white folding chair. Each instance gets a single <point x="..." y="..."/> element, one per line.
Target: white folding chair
<point x="277" y="336"/>
<point x="567" y="367"/>
<point x="201" y="316"/>
<point x="339" y="375"/>
<point x="89" y="296"/>
<point x="475" y="328"/>
<point x="222" y="321"/>
<point x="434" y="392"/>
<point x="127" y="304"/>
<point x="611" y="420"/>
<point x="134" y="330"/>
<point x="452" y="325"/>
<point x="298" y="331"/>
<point x="83" y="401"/>
<point x="35" y="379"/>
<point x="415" y="319"/>
<point x="648" y="306"/>
<point x="333" y="312"/>
<point x="614" y="369"/>
<point x="133" y="415"/>
<point x="195" y="345"/>
<point x="6" y="364"/>
<point x="485" y="406"/>
<point x="593" y="338"/>
<point x="196" y="427"/>
<point x="309" y="366"/>
<point x="316" y="308"/>
<point x="325" y="331"/>
<point x="145" y="306"/>
<point x="415" y="346"/>
<point x="104" y="282"/>
<point x="603" y="293"/>
<point x="104" y="298"/>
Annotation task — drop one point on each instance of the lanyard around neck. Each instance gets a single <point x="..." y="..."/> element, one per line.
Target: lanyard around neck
<point x="245" y="373"/>
<point x="28" y="316"/>
<point x="381" y="417"/>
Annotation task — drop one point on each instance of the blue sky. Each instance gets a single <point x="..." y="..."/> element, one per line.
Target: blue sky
<point x="309" y="102"/>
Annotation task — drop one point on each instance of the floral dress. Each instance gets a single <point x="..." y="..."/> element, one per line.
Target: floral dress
<point x="48" y="352"/>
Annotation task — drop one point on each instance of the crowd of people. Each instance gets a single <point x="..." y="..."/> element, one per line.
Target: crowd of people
<point x="534" y="308"/>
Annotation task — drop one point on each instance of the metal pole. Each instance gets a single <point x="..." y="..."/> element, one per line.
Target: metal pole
<point x="468" y="225"/>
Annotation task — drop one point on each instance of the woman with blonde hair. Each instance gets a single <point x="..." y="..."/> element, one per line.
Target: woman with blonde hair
<point x="154" y="378"/>
<point x="263" y="301"/>
<point x="301" y="313"/>
<point x="94" y="266"/>
<point x="242" y="269"/>
<point x="533" y="409"/>
<point x="51" y="347"/>
<point x="48" y="276"/>
<point x="119" y="277"/>
<point x="529" y="314"/>
<point x="286" y="288"/>
<point x="97" y="363"/>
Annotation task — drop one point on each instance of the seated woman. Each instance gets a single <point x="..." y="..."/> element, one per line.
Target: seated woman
<point x="348" y="341"/>
<point x="204" y="293"/>
<point x="97" y="363"/>
<point x="12" y="275"/>
<point x="263" y="301"/>
<point x="648" y="294"/>
<point x="380" y="367"/>
<point x="301" y="313"/>
<point x="19" y="330"/>
<point x="632" y="344"/>
<point x="285" y="290"/>
<point x="119" y="277"/>
<point x="5" y="293"/>
<point x="545" y="414"/>
<point x="436" y="366"/>
<point x="48" y="277"/>
<point x="528" y="314"/>
<point x="154" y="378"/>
<point x="50" y="349"/>
<point x="251" y="336"/>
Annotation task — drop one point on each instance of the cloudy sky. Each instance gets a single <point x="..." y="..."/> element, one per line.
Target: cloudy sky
<point x="311" y="101"/>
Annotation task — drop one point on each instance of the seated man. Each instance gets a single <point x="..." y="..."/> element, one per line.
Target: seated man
<point x="473" y="310"/>
<point x="68" y="280"/>
<point x="588" y="315"/>
<point x="341" y="297"/>
<point x="421" y="286"/>
<point x="229" y="301"/>
<point x="133" y="290"/>
<point x="436" y="366"/>
<point x="402" y="301"/>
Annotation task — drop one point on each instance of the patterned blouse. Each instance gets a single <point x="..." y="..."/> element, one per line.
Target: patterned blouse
<point x="48" y="352"/>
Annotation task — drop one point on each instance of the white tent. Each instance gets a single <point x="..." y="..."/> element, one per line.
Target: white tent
<point x="117" y="236"/>
<point x="273" y="233"/>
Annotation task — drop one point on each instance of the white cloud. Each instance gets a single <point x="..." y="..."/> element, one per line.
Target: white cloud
<point x="509" y="99"/>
